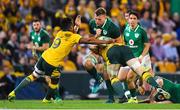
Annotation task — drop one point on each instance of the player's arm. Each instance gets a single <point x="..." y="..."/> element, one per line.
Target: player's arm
<point x="146" y="49"/>
<point x="93" y="40"/>
<point x="146" y="44"/>
<point x="163" y="102"/>
<point x="43" y="47"/>
<point x="77" y="23"/>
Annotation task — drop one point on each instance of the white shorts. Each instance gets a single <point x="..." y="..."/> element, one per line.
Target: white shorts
<point x="146" y="62"/>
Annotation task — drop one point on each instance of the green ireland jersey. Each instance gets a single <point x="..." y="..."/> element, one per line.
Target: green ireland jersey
<point x="39" y="39"/>
<point x="173" y="89"/>
<point x="135" y="39"/>
<point x="109" y="29"/>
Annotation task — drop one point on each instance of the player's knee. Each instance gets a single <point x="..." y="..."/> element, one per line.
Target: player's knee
<point x="130" y="77"/>
<point x="32" y="77"/>
<point x="56" y="73"/>
<point x="54" y="80"/>
<point x="146" y="75"/>
<point x="53" y="86"/>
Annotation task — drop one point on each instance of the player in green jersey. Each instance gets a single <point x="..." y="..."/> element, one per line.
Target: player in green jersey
<point x="39" y="37"/>
<point x="169" y="86"/>
<point x="136" y="38"/>
<point x="101" y="25"/>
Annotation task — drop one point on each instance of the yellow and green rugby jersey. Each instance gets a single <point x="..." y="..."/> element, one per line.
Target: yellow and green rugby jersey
<point x="61" y="47"/>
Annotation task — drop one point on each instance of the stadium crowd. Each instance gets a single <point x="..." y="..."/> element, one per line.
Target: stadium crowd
<point x="160" y="20"/>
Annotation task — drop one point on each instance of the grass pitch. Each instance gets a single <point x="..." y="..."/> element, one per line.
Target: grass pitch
<point x="80" y="104"/>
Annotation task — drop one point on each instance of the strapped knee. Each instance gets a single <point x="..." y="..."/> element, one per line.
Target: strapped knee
<point x="146" y="75"/>
<point x="31" y="77"/>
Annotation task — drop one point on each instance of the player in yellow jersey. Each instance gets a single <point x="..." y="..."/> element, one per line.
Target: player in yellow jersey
<point x="49" y="62"/>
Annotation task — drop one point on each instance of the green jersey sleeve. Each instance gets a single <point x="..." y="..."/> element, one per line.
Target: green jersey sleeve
<point x="91" y="26"/>
<point x="46" y="37"/>
<point x="115" y="31"/>
<point x="145" y="37"/>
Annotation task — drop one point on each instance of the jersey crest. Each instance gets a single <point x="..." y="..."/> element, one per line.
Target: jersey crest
<point x="136" y="35"/>
<point x="104" y="32"/>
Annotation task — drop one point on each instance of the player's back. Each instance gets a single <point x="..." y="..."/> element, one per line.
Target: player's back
<point x="172" y="88"/>
<point x="61" y="47"/>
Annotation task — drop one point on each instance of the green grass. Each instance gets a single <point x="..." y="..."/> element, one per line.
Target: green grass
<point x="80" y="104"/>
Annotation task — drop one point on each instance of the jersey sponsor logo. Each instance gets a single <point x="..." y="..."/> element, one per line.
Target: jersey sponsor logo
<point x="104" y="32"/>
<point x="136" y="35"/>
<point x="131" y="42"/>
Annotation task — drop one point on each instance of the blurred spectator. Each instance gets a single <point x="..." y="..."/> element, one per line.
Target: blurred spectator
<point x="13" y="46"/>
<point x="91" y="7"/>
<point x="157" y="49"/>
<point x="167" y="25"/>
<point x="145" y="22"/>
<point x="70" y="9"/>
<point x="7" y="80"/>
<point x="68" y="65"/>
<point x="169" y="50"/>
<point x="81" y="56"/>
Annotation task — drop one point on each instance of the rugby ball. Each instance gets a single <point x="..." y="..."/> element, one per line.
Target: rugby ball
<point x="104" y="38"/>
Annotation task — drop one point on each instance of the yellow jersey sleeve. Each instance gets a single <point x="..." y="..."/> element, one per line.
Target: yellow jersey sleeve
<point x="76" y="38"/>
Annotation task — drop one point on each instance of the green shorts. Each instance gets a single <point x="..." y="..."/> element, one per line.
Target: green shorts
<point x="43" y="68"/>
<point x="119" y="55"/>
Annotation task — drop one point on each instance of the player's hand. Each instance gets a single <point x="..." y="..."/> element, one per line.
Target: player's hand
<point x="111" y="41"/>
<point x="98" y="32"/>
<point x="141" y="90"/>
<point x="78" y="20"/>
<point x="140" y="58"/>
<point x="119" y="40"/>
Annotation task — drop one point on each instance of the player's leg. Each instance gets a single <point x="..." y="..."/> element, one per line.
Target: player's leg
<point x="146" y="62"/>
<point x="129" y="87"/>
<point x="118" y="89"/>
<point x="112" y="70"/>
<point x="131" y="77"/>
<point x="125" y="55"/>
<point x="146" y="76"/>
<point x="53" y="83"/>
<point x="36" y="74"/>
<point x="89" y="64"/>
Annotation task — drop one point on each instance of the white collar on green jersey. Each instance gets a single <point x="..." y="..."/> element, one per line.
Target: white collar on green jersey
<point x="104" y="23"/>
<point x="134" y="29"/>
<point x="38" y="32"/>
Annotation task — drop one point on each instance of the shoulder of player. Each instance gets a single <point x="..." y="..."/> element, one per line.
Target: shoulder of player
<point x="92" y="22"/>
<point x="44" y="32"/>
<point x="111" y="23"/>
<point x="141" y="29"/>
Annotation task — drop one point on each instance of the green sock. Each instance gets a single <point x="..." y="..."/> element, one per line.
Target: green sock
<point x="126" y="89"/>
<point x="118" y="89"/>
<point x="50" y="93"/>
<point x="110" y="89"/>
<point x="94" y="74"/>
<point x="23" y="83"/>
<point x="57" y="94"/>
<point x="133" y="92"/>
<point x="152" y="82"/>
